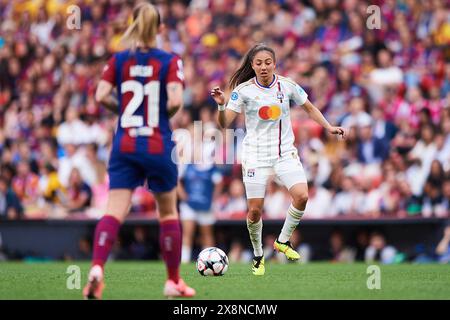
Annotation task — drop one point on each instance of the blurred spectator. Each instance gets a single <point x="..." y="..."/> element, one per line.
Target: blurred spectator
<point x="238" y="253"/>
<point x="49" y="183"/>
<point x="24" y="154"/>
<point x="10" y="206"/>
<point x="99" y="192"/>
<point x="319" y="202"/>
<point x="446" y="194"/>
<point x="139" y="248"/>
<point x="443" y="150"/>
<point x="73" y="157"/>
<point x="235" y="207"/>
<point x="26" y="185"/>
<point x="72" y="125"/>
<point x="382" y="129"/>
<point x="50" y="188"/>
<point x="78" y="194"/>
<point x="386" y="74"/>
<point x="84" y="250"/>
<point x="422" y="156"/>
<point x="433" y="201"/>
<point x="339" y="251"/>
<point x="348" y="201"/>
<point x="3" y="256"/>
<point x="362" y="242"/>
<point x="275" y="201"/>
<point x="443" y="248"/>
<point x="421" y="255"/>
<point x="370" y="149"/>
<point x="357" y="117"/>
<point x="373" y="197"/>
<point x="379" y="251"/>
<point x="406" y="202"/>
<point x="198" y="188"/>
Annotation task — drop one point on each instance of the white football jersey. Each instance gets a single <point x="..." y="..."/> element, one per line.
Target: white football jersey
<point x="269" y="133"/>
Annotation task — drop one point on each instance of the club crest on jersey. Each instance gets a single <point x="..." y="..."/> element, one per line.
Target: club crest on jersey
<point x="280" y="95"/>
<point x="250" y="173"/>
<point x="234" y="96"/>
<point x="272" y="112"/>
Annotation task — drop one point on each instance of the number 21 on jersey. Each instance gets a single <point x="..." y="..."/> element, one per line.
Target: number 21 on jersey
<point x="150" y="91"/>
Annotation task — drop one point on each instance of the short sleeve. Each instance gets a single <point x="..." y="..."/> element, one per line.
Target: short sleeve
<point x="109" y="71"/>
<point x="298" y="95"/>
<point x="236" y="102"/>
<point x="176" y="72"/>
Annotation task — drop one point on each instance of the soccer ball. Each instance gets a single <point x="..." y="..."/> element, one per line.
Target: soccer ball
<point x="212" y="262"/>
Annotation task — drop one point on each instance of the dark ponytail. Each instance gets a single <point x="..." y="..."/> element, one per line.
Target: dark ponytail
<point x="245" y="71"/>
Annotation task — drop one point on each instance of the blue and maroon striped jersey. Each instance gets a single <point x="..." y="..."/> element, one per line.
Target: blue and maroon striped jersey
<point x="141" y="79"/>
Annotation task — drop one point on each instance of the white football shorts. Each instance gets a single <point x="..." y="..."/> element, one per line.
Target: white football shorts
<point x="288" y="169"/>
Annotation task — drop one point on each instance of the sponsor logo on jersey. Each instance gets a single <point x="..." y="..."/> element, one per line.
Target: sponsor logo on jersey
<point x="272" y="112"/>
<point x="250" y="173"/>
<point x="234" y="96"/>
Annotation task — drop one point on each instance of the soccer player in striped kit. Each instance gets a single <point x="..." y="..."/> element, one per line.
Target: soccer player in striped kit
<point x="149" y="85"/>
<point x="268" y="147"/>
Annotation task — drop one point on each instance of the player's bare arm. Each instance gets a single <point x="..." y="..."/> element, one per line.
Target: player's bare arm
<point x="226" y="116"/>
<point x="103" y="95"/>
<point x="174" y="98"/>
<point x="317" y="116"/>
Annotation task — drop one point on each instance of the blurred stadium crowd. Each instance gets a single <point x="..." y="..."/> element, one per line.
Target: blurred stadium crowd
<point x="389" y="86"/>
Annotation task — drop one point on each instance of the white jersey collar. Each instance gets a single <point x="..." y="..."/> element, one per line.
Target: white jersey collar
<point x="271" y="85"/>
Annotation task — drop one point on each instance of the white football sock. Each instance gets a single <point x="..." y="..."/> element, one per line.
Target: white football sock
<point x="186" y="254"/>
<point x="293" y="217"/>
<point x="255" y="232"/>
<point x="96" y="273"/>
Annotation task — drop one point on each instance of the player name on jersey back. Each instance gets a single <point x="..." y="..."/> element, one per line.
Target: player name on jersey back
<point x="141" y="71"/>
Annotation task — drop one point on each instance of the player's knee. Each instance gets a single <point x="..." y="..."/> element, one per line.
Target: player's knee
<point x="300" y="200"/>
<point x="254" y="213"/>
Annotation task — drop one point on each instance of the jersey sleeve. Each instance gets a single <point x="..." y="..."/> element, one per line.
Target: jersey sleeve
<point x="236" y="102"/>
<point x="298" y="95"/>
<point x="109" y="71"/>
<point x="176" y="73"/>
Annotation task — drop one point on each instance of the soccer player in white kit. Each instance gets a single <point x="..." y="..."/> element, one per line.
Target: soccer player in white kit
<point x="268" y="147"/>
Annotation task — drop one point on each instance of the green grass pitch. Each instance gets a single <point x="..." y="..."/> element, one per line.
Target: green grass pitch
<point x="144" y="280"/>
